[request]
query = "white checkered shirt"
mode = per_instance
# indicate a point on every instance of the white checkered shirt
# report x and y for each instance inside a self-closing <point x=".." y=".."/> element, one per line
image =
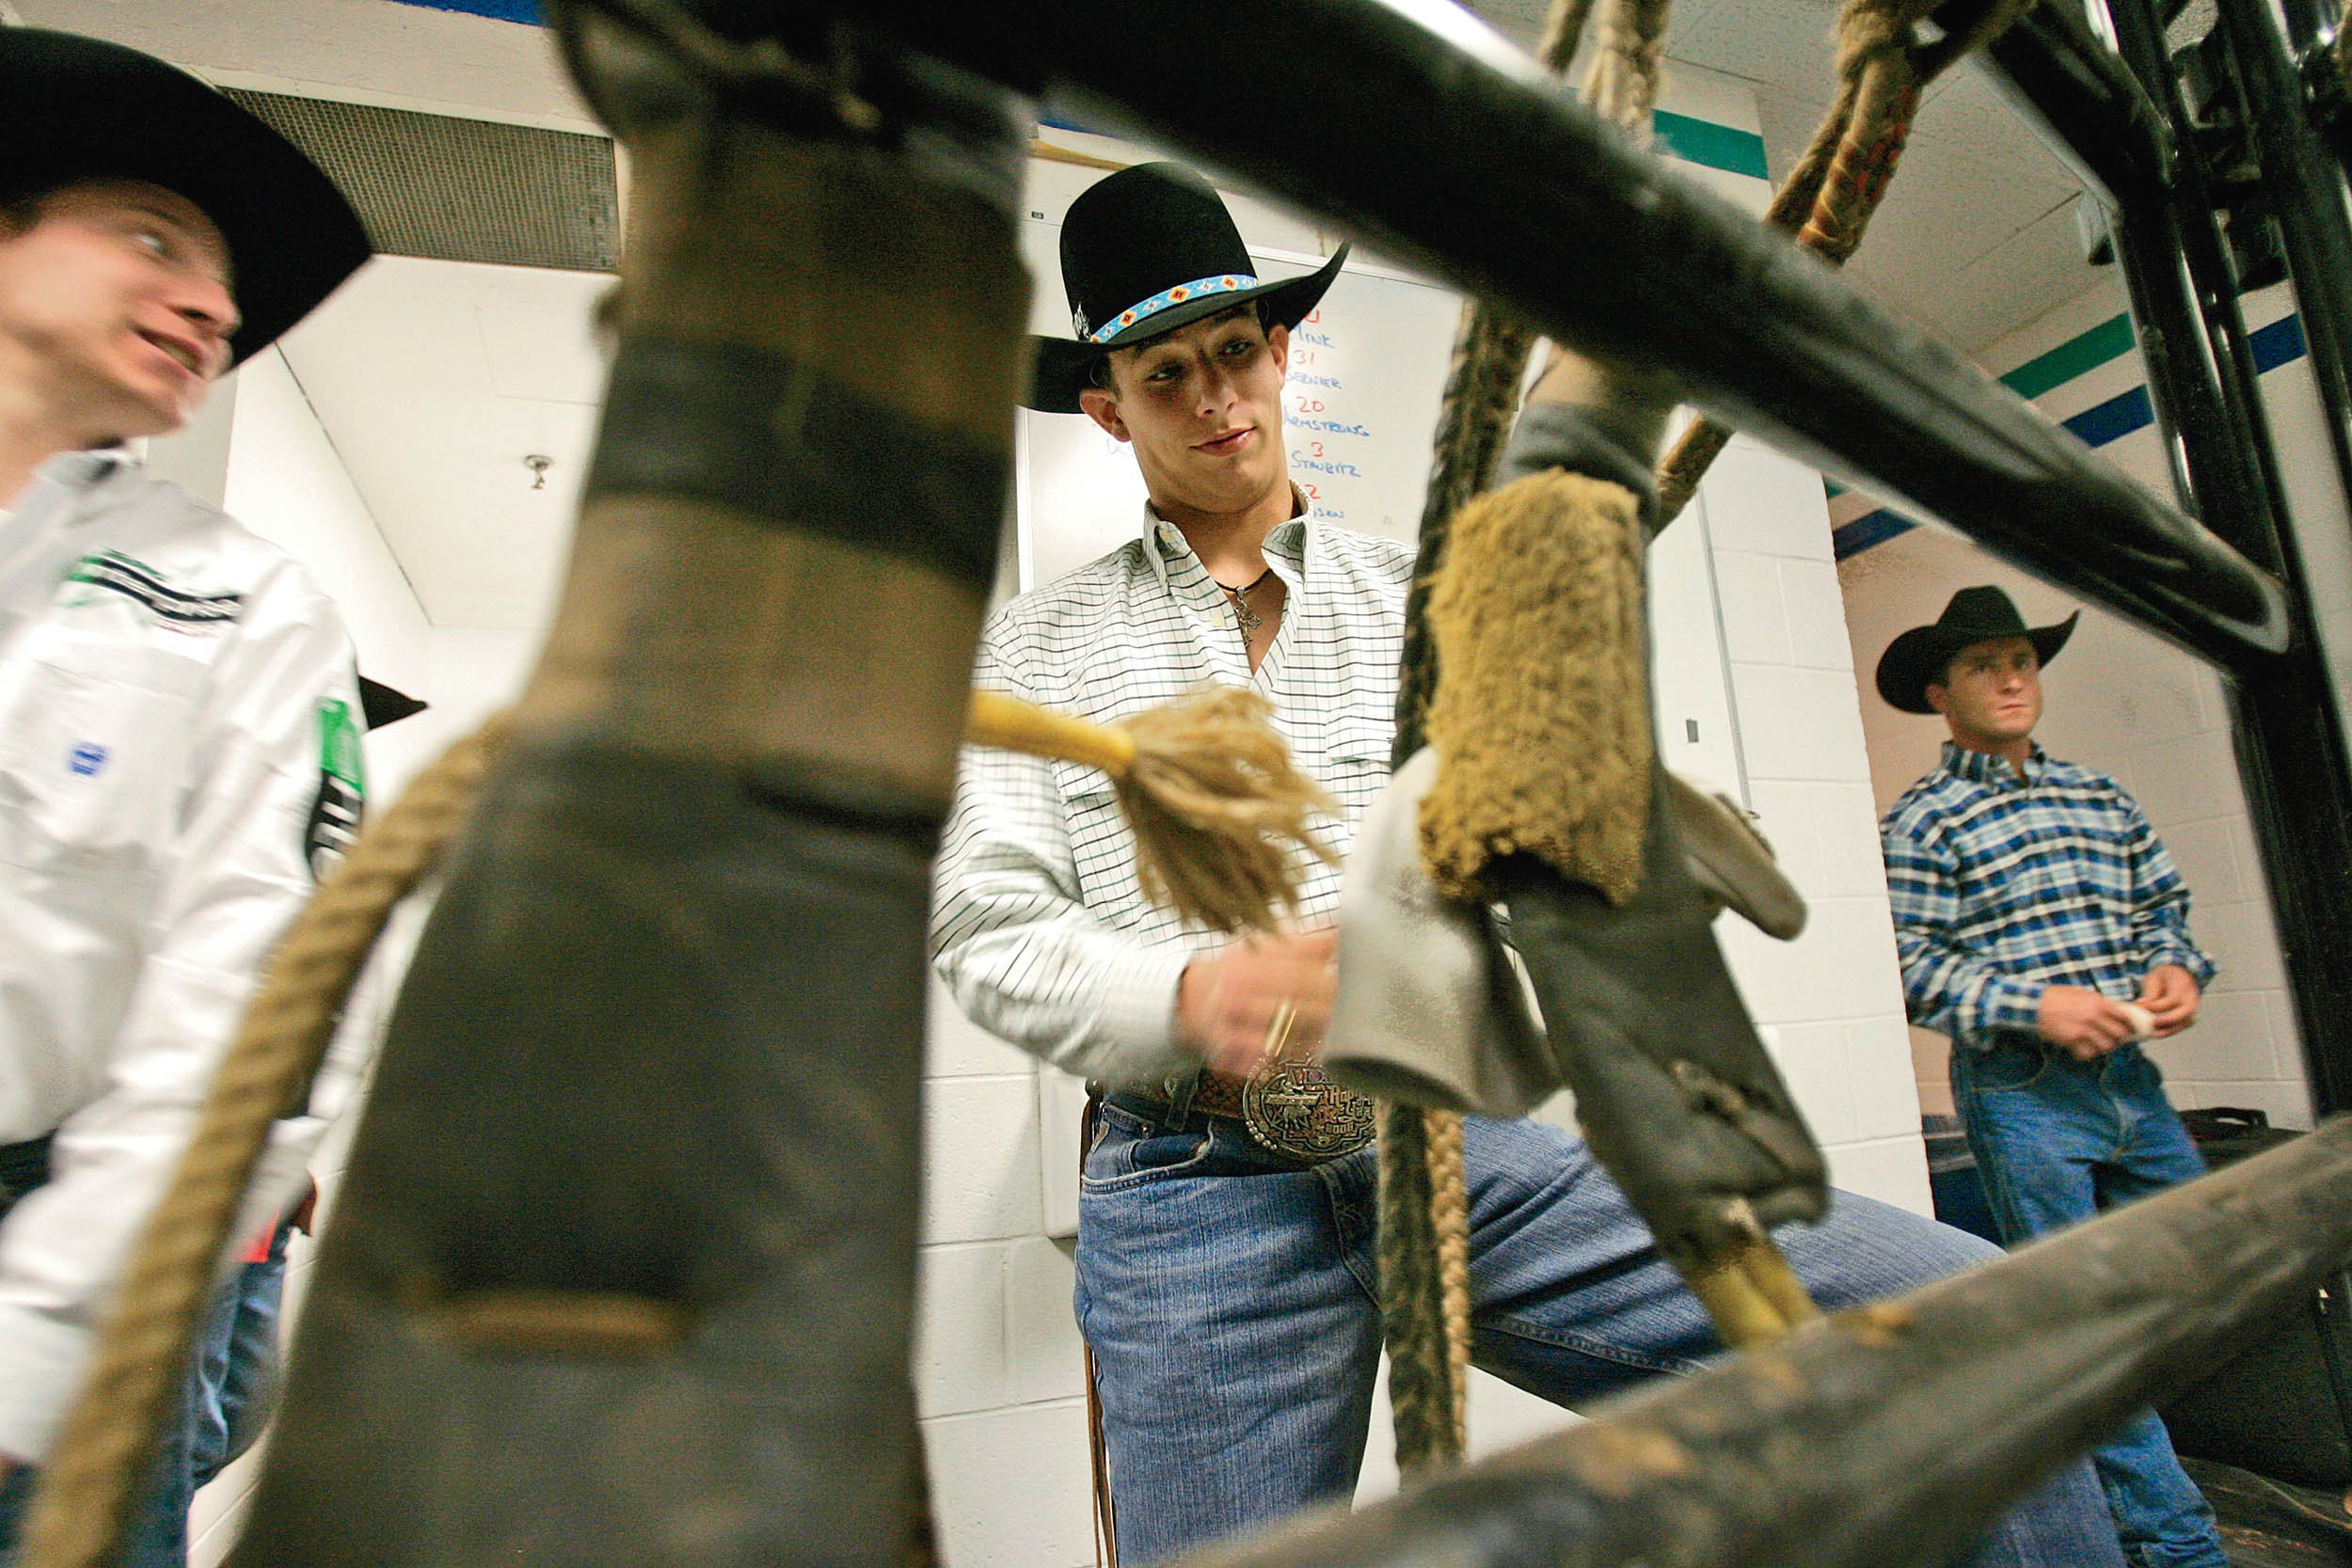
<point x="1038" y="925"/>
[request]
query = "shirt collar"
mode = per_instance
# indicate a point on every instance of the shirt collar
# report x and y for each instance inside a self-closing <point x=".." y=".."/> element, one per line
<point x="1987" y="767"/>
<point x="62" y="486"/>
<point x="1286" y="547"/>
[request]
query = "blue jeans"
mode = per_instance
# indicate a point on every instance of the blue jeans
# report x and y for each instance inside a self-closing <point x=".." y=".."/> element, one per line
<point x="1231" y="1302"/>
<point x="2056" y="1141"/>
<point x="226" y="1402"/>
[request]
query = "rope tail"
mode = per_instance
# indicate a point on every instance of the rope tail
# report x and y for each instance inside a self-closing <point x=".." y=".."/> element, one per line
<point x="110" y="1437"/>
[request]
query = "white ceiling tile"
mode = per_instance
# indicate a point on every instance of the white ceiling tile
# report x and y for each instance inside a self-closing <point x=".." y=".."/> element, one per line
<point x="1782" y="44"/>
<point x="1943" y="213"/>
<point x="434" y="409"/>
<point x="549" y="355"/>
<point x="2026" y="274"/>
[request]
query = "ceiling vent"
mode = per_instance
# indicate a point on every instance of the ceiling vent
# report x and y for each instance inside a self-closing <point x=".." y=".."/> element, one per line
<point x="460" y="190"/>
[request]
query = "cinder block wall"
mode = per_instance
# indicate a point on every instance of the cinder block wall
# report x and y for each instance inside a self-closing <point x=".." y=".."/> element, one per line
<point x="1832" y="999"/>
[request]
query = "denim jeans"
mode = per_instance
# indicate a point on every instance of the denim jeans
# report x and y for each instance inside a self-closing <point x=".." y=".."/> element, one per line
<point x="2056" y="1141"/>
<point x="1230" y="1301"/>
<point x="227" y="1399"/>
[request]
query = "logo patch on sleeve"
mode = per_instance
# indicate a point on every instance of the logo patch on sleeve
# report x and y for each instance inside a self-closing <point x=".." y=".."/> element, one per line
<point x="112" y="572"/>
<point x="334" y="824"/>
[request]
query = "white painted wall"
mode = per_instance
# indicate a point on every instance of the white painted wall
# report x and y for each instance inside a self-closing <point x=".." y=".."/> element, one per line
<point x="1833" y="1000"/>
<point x="2131" y="706"/>
<point x="286" y="482"/>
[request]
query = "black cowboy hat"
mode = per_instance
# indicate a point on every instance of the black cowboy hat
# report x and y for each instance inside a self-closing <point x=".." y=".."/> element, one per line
<point x="382" y="705"/>
<point x="1919" y="657"/>
<point x="1146" y="251"/>
<point x="87" y="110"/>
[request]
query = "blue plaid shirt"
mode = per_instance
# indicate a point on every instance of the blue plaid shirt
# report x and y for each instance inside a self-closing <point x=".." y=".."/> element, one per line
<point x="2003" y="884"/>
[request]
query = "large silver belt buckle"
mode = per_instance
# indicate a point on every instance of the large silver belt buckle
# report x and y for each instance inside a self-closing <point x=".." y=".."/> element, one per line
<point x="1295" y="1110"/>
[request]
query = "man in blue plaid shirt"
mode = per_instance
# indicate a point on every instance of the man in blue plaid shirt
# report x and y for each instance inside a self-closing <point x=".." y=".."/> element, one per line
<point x="2042" y="926"/>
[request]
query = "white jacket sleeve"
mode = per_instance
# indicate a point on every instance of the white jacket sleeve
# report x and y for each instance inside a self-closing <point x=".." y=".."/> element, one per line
<point x="1015" y="940"/>
<point x="275" y="778"/>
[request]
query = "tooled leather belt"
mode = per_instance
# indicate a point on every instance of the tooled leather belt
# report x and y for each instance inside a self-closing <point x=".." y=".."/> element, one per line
<point x="1290" y="1108"/>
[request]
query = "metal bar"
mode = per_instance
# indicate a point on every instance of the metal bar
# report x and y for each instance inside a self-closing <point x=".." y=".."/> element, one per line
<point x="1889" y="1436"/>
<point x="2292" y="730"/>
<point x="2310" y="23"/>
<point x="2094" y="112"/>
<point x="2202" y="377"/>
<point x="2099" y="118"/>
<point x="1490" y="177"/>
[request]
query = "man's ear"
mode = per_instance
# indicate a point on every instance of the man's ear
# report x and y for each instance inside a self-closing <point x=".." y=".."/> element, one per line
<point x="1938" y="697"/>
<point x="1277" y="343"/>
<point x="1103" y="408"/>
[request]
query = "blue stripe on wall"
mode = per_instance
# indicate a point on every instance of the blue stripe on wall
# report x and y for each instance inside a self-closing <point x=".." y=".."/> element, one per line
<point x="2270" y="347"/>
<point x="503" y="11"/>
<point x="2277" y="343"/>
<point x="2115" y="419"/>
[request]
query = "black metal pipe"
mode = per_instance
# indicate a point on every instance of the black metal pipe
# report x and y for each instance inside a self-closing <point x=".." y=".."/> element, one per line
<point x="1888" y="1436"/>
<point x="2291" y="731"/>
<point x="1491" y="177"/>
<point x="2201" y="375"/>
<point x="2308" y="199"/>
<point x="2098" y="118"/>
<point x="2308" y="23"/>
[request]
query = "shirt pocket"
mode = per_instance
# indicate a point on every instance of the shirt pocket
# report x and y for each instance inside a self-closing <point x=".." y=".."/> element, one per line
<point x="1356" y="759"/>
<point x="94" y="755"/>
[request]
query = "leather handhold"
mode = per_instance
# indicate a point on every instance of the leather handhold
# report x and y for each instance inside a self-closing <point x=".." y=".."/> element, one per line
<point x="1429" y="1010"/>
<point x="1731" y="862"/>
<point x="1674" y="1090"/>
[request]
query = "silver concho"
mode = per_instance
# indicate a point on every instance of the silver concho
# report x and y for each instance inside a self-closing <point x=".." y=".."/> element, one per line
<point x="1296" y="1111"/>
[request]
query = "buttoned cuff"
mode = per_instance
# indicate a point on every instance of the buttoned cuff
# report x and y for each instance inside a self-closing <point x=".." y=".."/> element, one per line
<point x="1138" y="1018"/>
<point x="2010" y="1005"/>
<point x="2199" y="966"/>
<point x="39" y="1365"/>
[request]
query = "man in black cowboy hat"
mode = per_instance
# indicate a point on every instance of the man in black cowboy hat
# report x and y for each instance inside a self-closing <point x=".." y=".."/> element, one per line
<point x="2041" y="927"/>
<point x="1225" y="1266"/>
<point x="179" y="721"/>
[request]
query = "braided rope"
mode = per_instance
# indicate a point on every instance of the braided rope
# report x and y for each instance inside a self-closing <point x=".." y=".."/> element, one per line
<point x="111" y="1434"/>
<point x="1449" y="1215"/>
<point x="1828" y="199"/>
<point x="1481" y="395"/>
<point x="1421" y="1402"/>
<point x="1423" y="1204"/>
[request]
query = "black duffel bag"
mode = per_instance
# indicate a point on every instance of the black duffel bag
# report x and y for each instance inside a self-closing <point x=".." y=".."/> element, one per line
<point x="2282" y="1409"/>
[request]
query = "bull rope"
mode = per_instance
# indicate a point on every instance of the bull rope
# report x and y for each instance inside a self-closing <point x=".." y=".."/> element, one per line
<point x="1423" y="1200"/>
<point x="1204" y="781"/>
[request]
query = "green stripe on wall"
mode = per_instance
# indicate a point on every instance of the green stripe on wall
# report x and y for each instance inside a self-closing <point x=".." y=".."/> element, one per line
<point x="1703" y="142"/>
<point x="2110" y="340"/>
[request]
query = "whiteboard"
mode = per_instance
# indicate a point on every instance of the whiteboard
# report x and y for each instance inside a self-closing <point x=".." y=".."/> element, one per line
<point x="1360" y="410"/>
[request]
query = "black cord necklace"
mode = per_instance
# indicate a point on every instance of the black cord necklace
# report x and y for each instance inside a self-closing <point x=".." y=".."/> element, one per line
<point x="1243" y="613"/>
